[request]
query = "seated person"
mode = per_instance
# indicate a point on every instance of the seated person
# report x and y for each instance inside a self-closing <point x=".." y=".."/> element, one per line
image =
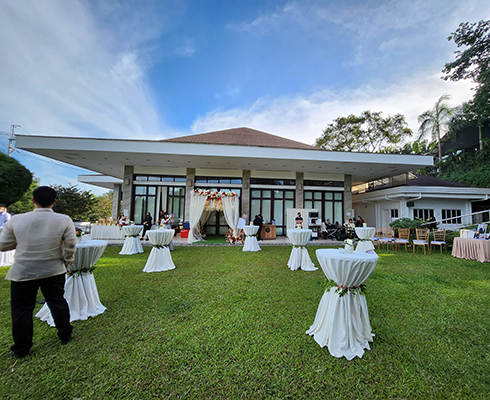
<point x="122" y="220"/>
<point x="349" y="228"/>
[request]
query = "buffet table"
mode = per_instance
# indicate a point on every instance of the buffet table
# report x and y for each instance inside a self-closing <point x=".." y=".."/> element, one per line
<point x="300" y="258"/>
<point x="471" y="249"/>
<point x="6" y="257"/>
<point x="251" y="243"/>
<point x="342" y="320"/>
<point x="80" y="289"/>
<point x="132" y="244"/>
<point x="106" y="232"/>
<point x="365" y="236"/>
<point x="160" y="258"/>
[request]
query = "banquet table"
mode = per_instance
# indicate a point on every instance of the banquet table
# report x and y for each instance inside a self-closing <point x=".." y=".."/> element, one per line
<point x="342" y="322"/>
<point x="471" y="249"/>
<point x="6" y="257"/>
<point x="80" y="290"/>
<point x="300" y="258"/>
<point x="251" y="243"/>
<point x="132" y="244"/>
<point x="160" y="258"/>
<point x="365" y="236"/>
<point x="106" y="232"/>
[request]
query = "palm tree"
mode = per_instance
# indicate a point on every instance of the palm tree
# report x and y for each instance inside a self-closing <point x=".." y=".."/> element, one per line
<point x="435" y="121"/>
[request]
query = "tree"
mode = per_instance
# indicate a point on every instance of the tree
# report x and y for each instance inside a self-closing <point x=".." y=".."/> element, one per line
<point x="369" y="132"/>
<point x="74" y="202"/>
<point x="15" y="179"/>
<point x="103" y="206"/>
<point x="25" y="203"/>
<point x="473" y="63"/>
<point x="435" y="121"/>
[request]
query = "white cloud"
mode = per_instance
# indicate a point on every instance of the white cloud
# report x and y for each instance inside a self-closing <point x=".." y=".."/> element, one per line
<point x="303" y="118"/>
<point x="63" y="73"/>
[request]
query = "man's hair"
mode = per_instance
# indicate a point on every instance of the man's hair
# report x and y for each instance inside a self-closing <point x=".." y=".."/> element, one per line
<point x="3" y="205"/>
<point x="44" y="196"/>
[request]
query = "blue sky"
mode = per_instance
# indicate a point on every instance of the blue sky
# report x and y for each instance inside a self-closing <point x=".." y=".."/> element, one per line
<point x="161" y="69"/>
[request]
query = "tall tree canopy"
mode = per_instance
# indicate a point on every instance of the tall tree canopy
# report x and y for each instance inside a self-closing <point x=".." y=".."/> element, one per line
<point x="24" y="204"/>
<point x="369" y="132"/>
<point x="15" y="179"/>
<point x="434" y="122"/>
<point x="74" y="202"/>
<point x="473" y="63"/>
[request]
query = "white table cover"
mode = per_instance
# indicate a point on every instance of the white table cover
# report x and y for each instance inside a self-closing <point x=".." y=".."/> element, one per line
<point x="365" y="236"/>
<point x="80" y="290"/>
<point x="342" y="323"/>
<point x="160" y="258"/>
<point x="105" y="232"/>
<point x="6" y="257"/>
<point x="251" y="243"/>
<point x="132" y="244"/>
<point x="300" y="258"/>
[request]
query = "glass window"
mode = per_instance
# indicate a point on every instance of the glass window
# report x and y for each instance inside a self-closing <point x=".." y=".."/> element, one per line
<point x="179" y="179"/>
<point x="167" y="179"/>
<point x="140" y="189"/>
<point x="328" y="196"/>
<point x="451" y="216"/>
<point x="337" y="196"/>
<point x="141" y="178"/>
<point x="423" y="213"/>
<point x="256" y="193"/>
<point x="338" y="212"/>
<point x="317" y="195"/>
<point x="289" y="194"/>
<point x="236" y="181"/>
<point x="152" y="190"/>
<point x="308" y="195"/>
<point x="278" y="194"/>
<point x="154" y="178"/>
<point x="328" y="211"/>
<point x="266" y="193"/>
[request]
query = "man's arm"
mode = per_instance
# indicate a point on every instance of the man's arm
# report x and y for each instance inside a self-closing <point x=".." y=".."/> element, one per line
<point x="7" y="238"/>
<point x="69" y="243"/>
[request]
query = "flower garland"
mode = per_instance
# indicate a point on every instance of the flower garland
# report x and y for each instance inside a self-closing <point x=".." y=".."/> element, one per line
<point x="299" y="246"/>
<point x="213" y="201"/>
<point x="80" y="272"/>
<point x="343" y="290"/>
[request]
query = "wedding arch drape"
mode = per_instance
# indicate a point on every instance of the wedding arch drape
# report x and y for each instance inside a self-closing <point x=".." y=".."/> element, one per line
<point x="231" y="212"/>
<point x="203" y="202"/>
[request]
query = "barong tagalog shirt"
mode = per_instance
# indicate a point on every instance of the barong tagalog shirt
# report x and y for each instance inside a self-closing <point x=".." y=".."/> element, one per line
<point x="44" y="243"/>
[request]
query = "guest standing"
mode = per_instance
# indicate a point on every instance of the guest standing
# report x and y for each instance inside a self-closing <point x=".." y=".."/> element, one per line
<point x="146" y="225"/>
<point x="4" y="215"/>
<point x="45" y="244"/>
<point x="258" y="221"/>
<point x="168" y="220"/>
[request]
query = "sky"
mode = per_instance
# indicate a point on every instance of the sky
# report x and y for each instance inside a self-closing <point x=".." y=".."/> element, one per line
<point x="162" y="69"/>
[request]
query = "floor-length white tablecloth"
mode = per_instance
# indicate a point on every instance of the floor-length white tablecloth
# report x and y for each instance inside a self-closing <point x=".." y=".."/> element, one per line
<point x="80" y="289"/>
<point x="365" y="236"/>
<point x="342" y="323"/>
<point x="132" y="244"/>
<point x="106" y="232"/>
<point x="6" y="257"/>
<point x="251" y="243"/>
<point x="300" y="258"/>
<point x="160" y="258"/>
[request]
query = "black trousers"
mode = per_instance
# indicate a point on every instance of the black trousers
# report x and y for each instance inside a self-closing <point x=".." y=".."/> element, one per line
<point x="145" y="228"/>
<point x="22" y="303"/>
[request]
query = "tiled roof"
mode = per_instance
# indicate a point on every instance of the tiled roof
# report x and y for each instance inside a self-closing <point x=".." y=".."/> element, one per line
<point x="243" y="137"/>
<point x="423" y="180"/>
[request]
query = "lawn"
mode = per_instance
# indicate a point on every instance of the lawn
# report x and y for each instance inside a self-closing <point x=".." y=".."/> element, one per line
<point x="231" y="325"/>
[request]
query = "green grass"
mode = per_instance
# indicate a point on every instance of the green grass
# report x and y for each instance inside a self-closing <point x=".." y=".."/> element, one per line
<point x="231" y="325"/>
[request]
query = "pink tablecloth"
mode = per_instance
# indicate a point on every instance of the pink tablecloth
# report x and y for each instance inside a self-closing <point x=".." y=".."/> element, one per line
<point x="472" y="249"/>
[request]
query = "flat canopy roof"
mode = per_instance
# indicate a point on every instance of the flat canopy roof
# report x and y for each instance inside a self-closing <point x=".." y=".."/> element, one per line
<point x="109" y="156"/>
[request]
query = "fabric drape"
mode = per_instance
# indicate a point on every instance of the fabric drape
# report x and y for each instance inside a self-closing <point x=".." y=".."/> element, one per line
<point x="195" y="212"/>
<point x="231" y="212"/>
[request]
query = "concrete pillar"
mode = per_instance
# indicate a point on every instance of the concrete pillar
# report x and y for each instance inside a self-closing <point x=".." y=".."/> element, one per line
<point x="127" y="191"/>
<point x="299" y="190"/>
<point x="245" y="196"/>
<point x="348" y="213"/>
<point x="189" y="187"/>
<point x="116" y="201"/>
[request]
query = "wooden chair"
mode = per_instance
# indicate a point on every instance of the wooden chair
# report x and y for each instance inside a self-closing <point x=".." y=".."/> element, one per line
<point x="403" y="238"/>
<point x="377" y="236"/>
<point x="422" y="239"/>
<point x="387" y="237"/>
<point x="439" y="239"/>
